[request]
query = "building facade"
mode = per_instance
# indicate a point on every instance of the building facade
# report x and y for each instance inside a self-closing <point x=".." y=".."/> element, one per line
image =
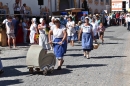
<point x="95" y="6"/>
<point x="120" y="5"/>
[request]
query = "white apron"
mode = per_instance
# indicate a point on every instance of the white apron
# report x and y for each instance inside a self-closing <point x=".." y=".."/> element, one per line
<point x="43" y="39"/>
<point x="32" y="33"/>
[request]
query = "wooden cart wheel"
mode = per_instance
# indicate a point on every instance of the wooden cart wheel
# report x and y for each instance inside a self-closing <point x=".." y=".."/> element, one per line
<point x="45" y="72"/>
<point x="37" y="69"/>
<point x="52" y="70"/>
<point x="31" y="70"/>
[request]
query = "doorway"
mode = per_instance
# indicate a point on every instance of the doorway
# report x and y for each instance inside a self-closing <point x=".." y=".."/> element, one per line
<point x="64" y="4"/>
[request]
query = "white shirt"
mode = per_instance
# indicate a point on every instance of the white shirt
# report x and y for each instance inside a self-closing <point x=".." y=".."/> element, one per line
<point x="127" y="19"/>
<point x="24" y="25"/>
<point x="58" y="33"/>
<point x="17" y="7"/>
<point x="32" y="28"/>
<point x="94" y="28"/>
<point x="4" y="22"/>
<point x="43" y="30"/>
<point x="51" y="24"/>
<point x="70" y="30"/>
<point x="86" y="29"/>
<point x="9" y="28"/>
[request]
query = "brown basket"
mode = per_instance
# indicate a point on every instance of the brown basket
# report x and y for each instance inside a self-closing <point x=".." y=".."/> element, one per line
<point x="95" y="46"/>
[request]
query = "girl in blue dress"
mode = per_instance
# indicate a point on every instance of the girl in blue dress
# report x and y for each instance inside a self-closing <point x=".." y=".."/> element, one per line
<point x="87" y="38"/>
<point x="59" y="44"/>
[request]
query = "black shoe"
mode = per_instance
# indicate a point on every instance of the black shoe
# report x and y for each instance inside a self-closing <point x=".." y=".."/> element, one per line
<point x="1" y="72"/>
<point x="59" y="68"/>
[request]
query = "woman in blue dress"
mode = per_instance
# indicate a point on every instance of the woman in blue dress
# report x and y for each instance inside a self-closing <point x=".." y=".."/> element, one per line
<point x="87" y="38"/>
<point x="59" y="44"/>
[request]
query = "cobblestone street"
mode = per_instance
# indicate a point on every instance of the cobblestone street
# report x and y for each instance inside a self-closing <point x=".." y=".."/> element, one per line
<point x="108" y="66"/>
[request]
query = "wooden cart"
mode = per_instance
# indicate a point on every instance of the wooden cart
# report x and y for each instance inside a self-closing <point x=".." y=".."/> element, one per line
<point x="3" y="37"/>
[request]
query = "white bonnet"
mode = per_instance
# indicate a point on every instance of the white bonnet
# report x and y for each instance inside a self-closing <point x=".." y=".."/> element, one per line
<point x="57" y="19"/>
<point x="34" y="19"/>
<point x="86" y="17"/>
<point x="52" y="18"/>
<point x="41" y="19"/>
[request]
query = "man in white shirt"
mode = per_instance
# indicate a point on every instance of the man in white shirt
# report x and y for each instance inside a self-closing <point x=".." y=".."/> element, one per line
<point x="128" y="22"/>
<point x="4" y="22"/>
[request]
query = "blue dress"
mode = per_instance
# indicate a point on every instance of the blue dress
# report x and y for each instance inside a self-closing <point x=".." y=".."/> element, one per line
<point x="87" y="40"/>
<point x="59" y="50"/>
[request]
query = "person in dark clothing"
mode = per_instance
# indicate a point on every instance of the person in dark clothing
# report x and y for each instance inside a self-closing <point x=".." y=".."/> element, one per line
<point x="15" y="21"/>
<point x="84" y="5"/>
<point x="16" y="8"/>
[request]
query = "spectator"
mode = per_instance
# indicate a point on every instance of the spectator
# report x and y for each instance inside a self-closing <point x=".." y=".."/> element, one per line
<point x="10" y="32"/>
<point x="117" y="18"/>
<point x="25" y="30"/>
<point x="83" y="18"/>
<point x="16" y="8"/>
<point x="15" y="22"/>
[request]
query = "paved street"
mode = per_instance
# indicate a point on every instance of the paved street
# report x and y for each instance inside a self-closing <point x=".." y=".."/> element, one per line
<point x="108" y="66"/>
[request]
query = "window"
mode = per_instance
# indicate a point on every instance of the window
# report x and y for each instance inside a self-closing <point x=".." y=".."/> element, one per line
<point x="107" y="1"/>
<point x="101" y="0"/>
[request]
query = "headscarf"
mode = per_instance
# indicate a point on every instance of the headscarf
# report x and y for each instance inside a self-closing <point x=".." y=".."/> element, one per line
<point x="34" y="20"/>
<point x="41" y="19"/>
<point x="52" y="18"/>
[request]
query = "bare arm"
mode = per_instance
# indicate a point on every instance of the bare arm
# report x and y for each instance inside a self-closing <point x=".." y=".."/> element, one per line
<point x="65" y="35"/>
<point x="40" y="28"/>
<point x="49" y="35"/>
<point x="80" y="31"/>
<point x="36" y="30"/>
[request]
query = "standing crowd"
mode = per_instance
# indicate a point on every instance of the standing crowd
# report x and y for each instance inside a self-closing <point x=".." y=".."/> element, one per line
<point x="56" y="34"/>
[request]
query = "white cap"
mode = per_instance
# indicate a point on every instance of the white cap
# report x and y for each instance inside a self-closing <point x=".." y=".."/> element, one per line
<point x="41" y="19"/>
<point x="52" y="18"/>
<point x="34" y="19"/>
<point x="57" y="19"/>
<point x="86" y="17"/>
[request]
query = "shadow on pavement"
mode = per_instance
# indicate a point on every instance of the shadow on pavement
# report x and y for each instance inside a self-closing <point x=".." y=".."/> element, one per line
<point x="74" y="49"/>
<point x="74" y="55"/>
<point x="108" y="37"/>
<point x="10" y="82"/>
<point x="109" y="31"/>
<point x="61" y="72"/>
<point x="85" y="65"/>
<point x="27" y="44"/>
<point x="116" y="39"/>
<point x="113" y="43"/>
<point x="78" y="45"/>
<point x="11" y="71"/>
<point x="11" y="58"/>
<point x="105" y="57"/>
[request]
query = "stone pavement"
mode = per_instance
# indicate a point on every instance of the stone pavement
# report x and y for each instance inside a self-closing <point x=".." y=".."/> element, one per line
<point x="108" y="66"/>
